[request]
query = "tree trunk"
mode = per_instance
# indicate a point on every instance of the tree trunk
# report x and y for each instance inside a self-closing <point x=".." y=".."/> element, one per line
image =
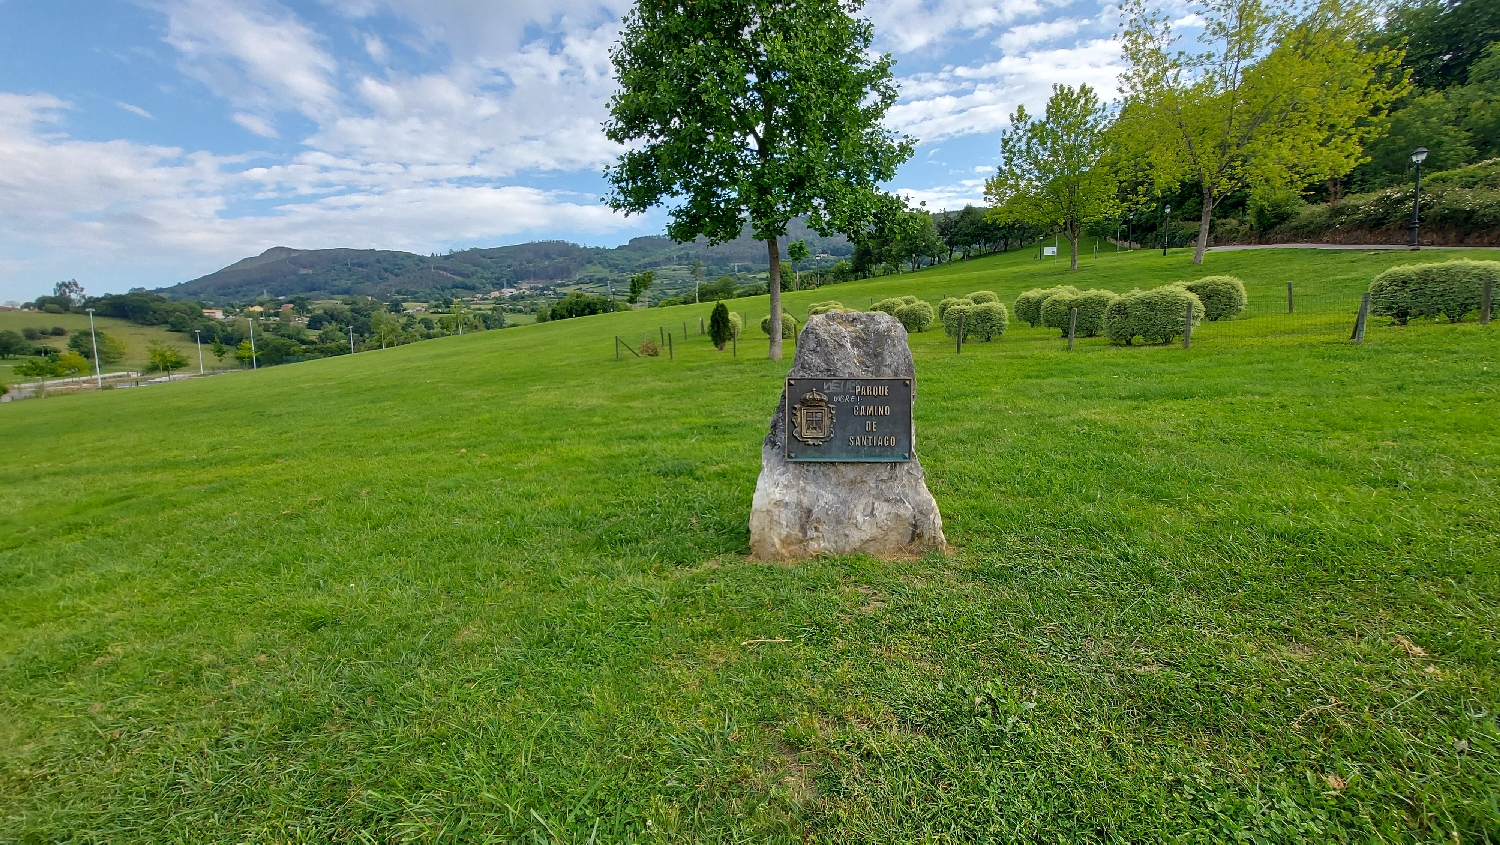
<point x="1073" y="242"/>
<point x="775" y="291"/>
<point x="1208" y="216"/>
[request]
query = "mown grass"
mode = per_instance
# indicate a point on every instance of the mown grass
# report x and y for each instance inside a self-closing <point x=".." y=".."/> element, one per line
<point x="493" y="588"/>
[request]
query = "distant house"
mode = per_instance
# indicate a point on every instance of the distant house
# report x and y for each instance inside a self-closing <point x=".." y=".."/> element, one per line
<point x="215" y="313"/>
<point x="509" y="292"/>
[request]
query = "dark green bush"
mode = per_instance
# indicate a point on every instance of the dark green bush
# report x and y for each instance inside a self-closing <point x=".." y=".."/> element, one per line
<point x="1223" y="297"/>
<point x="720" y="330"/>
<point x="915" y="316"/>
<point x="1029" y="304"/>
<point x="1057" y="311"/>
<point x="1156" y="316"/>
<point x="1450" y="289"/>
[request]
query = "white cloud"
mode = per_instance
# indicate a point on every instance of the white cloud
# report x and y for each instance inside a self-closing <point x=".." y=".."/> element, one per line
<point x="972" y="100"/>
<point x="909" y="25"/>
<point x="376" y="48"/>
<point x="259" y="57"/>
<point x="1018" y="38"/>
<point x="255" y="125"/>
<point x="947" y="197"/>
<point x="136" y="110"/>
<point x="117" y="213"/>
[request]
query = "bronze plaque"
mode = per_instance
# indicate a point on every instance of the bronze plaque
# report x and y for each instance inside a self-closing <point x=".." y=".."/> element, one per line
<point x="848" y="419"/>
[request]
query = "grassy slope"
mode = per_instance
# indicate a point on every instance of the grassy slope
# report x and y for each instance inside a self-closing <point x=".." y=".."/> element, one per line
<point x="135" y="337"/>
<point x="494" y="585"/>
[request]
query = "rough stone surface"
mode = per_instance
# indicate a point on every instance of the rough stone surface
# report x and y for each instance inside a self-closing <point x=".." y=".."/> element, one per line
<point x="802" y="510"/>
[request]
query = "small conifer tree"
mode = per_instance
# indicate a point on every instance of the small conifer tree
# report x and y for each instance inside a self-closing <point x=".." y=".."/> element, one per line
<point x="719" y="329"/>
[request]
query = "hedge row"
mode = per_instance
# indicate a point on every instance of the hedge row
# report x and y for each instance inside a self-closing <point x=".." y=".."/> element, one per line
<point x="1450" y="289"/>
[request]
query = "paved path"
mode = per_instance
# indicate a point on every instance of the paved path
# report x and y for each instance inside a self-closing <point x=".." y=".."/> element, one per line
<point x="1235" y="247"/>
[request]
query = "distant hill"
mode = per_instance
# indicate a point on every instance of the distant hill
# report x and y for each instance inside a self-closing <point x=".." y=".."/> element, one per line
<point x="283" y="271"/>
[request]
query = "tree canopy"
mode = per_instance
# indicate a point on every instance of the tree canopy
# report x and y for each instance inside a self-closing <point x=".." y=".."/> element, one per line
<point x="1280" y="95"/>
<point x="752" y="111"/>
<point x="1052" y="172"/>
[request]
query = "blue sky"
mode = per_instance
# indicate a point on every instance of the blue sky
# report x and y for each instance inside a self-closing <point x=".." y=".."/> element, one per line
<point x="144" y="144"/>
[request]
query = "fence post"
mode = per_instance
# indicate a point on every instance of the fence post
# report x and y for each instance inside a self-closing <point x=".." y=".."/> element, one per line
<point x="1072" y="328"/>
<point x="663" y="332"/>
<point x="684" y="330"/>
<point x="1484" y="303"/>
<point x="1187" y="328"/>
<point x="700" y="325"/>
<point x="1288" y="297"/>
<point x="734" y="349"/>
<point x="1359" y="321"/>
<point x="959" y="342"/>
<point x="671" y="356"/>
<point x="617" y="347"/>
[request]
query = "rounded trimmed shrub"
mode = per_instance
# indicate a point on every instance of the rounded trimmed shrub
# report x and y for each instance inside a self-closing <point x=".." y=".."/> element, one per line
<point x="980" y="297"/>
<point x="1223" y="297"/>
<point x="1029" y="304"/>
<point x="736" y="323"/>
<point x="887" y="306"/>
<point x="958" y="313"/>
<point x="1450" y="289"/>
<point x="950" y="301"/>
<point x="825" y="307"/>
<point x="1155" y="316"/>
<point x="1057" y="311"/>
<point x="915" y="316"/>
<point x="788" y="325"/>
<point x="985" y="321"/>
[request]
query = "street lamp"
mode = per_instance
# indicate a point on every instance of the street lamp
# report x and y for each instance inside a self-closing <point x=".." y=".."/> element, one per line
<point x="1166" y="218"/>
<point x="98" y="378"/>
<point x="199" y="334"/>
<point x="1417" y="157"/>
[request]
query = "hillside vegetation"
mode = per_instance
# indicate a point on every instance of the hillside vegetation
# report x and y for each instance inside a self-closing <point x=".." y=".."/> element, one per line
<point x="493" y="587"/>
<point x="285" y="272"/>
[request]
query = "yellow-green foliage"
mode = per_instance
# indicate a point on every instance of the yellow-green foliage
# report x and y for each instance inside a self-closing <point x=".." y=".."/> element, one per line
<point x="1057" y="311"/>
<point x="890" y="304"/>
<point x="736" y="323"/>
<point x="984" y="321"/>
<point x="948" y="302"/>
<point x="788" y="325"/>
<point x="1156" y="316"/>
<point x="825" y="307"/>
<point x="1451" y="289"/>
<point x="980" y="297"/>
<point x="1223" y="297"/>
<point x="915" y="316"/>
<point x="1029" y="304"/>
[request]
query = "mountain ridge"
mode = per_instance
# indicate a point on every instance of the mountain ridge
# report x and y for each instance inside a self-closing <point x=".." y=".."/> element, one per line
<point x="283" y="271"/>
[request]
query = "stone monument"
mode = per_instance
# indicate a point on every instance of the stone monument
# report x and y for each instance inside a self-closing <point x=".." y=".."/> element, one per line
<point x="848" y="480"/>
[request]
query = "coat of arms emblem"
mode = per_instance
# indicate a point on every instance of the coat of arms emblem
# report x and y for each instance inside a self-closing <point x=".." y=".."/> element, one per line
<point x="812" y="419"/>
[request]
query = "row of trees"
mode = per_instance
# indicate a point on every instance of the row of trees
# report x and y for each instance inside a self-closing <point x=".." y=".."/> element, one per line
<point x="1276" y="98"/>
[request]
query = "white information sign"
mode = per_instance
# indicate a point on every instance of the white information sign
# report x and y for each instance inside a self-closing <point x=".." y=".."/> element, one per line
<point x="1049" y="250"/>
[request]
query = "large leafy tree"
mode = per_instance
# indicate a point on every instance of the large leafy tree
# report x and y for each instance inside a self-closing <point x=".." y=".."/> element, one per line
<point x="752" y="111"/>
<point x="1281" y="95"/>
<point x="1052" y="173"/>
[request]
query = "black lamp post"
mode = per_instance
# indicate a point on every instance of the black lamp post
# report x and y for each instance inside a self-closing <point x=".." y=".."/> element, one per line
<point x="1417" y="157"/>
<point x="1166" y="218"/>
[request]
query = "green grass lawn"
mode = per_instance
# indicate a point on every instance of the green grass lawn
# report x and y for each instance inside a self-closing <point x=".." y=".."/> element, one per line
<point x="135" y="338"/>
<point x="493" y="587"/>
